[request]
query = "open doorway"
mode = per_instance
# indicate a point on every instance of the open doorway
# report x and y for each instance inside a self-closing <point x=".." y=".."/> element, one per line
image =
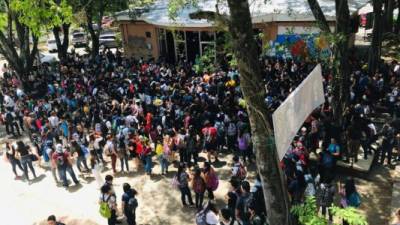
<point x="192" y="44"/>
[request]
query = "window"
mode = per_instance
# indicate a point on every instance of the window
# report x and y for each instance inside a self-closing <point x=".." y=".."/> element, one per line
<point x="207" y="36"/>
<point x="148" y="34"/>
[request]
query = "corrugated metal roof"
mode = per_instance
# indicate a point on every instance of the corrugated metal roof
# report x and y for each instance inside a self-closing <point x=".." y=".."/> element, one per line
<point x="261" y="10"/>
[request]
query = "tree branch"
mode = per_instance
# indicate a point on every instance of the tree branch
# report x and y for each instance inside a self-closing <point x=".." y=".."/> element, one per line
<point x="210" y="16"/>
<point x="319" y="16"/>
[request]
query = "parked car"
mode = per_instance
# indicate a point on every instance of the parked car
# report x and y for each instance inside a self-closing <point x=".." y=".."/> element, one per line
<point x="48" y="58"/>
<point x="79" y="39"/>
<point x="108" y="40"/>
<point x="52" y="45"/>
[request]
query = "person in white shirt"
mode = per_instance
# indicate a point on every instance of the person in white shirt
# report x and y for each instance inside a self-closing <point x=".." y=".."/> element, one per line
<point x="212" y="217"/>
<point x="54" y="120"/>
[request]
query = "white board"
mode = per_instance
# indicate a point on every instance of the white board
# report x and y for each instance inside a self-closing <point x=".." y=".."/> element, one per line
<point x="291" y="114"/>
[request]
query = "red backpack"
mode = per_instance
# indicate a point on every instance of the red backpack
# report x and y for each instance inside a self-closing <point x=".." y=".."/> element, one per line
<point x="241" y="172"/>
<point x="213" y="181"/>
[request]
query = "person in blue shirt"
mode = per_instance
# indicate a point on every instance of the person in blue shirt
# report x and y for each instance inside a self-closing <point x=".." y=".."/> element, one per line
<point x="334" y="148"/>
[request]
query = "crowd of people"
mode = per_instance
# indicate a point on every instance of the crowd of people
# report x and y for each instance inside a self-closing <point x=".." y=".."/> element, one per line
<point x="116" y="109"/>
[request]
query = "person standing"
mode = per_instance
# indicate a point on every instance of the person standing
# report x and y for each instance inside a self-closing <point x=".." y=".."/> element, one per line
<point x="26" y="159"/>
<point x="11" y="157"/>
<point x="122" y="153"/>
<point x="110" y="151"/>
<point x="199" y="187"/>
<point x="183" y="179"/>
<point x="349" y="196"/>
<point x="353" y="143"/>
<point x="63" y="162"/>
<point x="210" y="141"/>
<point x="81" y="158"/>
<point x="211" y="179"/>
<point x="129" y="204"/>
<point x="324" y="195"/>
<point x="242" y="205"/>
<point x="387" y="143"/>
<point x="108" y="197"/>
<point x="146" y="154"/>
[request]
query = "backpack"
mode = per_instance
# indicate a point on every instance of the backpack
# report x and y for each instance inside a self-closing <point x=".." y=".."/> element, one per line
<point x="241" y="172"/>
<point x="220" y="129"/>
<point x="181" y="141"/>
<point x="243" y="145"/>
<point x="231" y="129"/>
<point x="327" y="160"/>
<point x="247" y="203"/>
<point x="213" y="181"/>
<point x="354" y="200"/>
<point x="132" y="204"/>
<point x="104" y="209"/>
<point x="60" y="159"/>
<point x="175" y="182"/>
<point x="201" y="217"/>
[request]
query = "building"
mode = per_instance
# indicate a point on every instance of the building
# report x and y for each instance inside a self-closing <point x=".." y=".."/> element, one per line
<point x="150" y="32"/>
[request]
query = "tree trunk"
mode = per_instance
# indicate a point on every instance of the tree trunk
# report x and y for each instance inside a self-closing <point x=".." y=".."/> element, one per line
<point x="319" y="16"/>
<point x="274" y="187"/>
<point x="397" y="26"/>
<point x="375" y="48"/>
<point x="341" y="65"/>
<point x="95" y="34"/>
<point x="62" y="46"/>
<point x="389" y="7"/>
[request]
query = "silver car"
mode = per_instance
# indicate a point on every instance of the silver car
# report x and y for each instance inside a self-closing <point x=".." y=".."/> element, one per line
<point x="79" y="39"/>
<point x="108" y="40"/>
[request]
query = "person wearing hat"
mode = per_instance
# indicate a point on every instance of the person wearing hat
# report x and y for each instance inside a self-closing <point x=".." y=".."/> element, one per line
<point x="63" y="162"/>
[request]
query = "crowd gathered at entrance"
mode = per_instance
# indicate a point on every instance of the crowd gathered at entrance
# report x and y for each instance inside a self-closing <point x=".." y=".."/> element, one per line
<point x="114" y="112"/>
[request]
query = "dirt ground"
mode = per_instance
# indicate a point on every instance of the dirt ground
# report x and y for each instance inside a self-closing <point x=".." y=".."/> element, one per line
<point x="158" y="202"/>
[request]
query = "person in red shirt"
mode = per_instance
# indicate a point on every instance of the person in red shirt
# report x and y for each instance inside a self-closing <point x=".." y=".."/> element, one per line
<point x="210" y="140"/>
<point x="62" y="160"/>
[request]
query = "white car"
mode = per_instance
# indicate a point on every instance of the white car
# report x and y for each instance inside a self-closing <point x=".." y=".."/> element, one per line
<point x="52" y="45"/>
<point x="108" y="40"/>
<point x="48" y="58"/>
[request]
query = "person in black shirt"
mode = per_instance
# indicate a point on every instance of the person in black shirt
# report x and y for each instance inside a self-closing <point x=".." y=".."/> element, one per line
<point x="26" y="160"/>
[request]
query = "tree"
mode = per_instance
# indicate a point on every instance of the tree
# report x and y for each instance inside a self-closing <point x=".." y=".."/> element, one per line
<point x="375" y="48"/>
<point x="245" y="50"/>
<point x="20" y="59"/>
<point x="95" y="10"/>
<point x="39" y="15"/>
<point x="308" y="214"/>
<point x="341" y="66"/>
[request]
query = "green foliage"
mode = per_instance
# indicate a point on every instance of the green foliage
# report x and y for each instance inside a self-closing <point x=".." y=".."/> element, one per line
<point x="174" y="6"/>
<point x="3" y="21"/>
<point x="350" y="214"/>
<point x="42" y="14"/>
<point x="307" y="214"/>
<point x="205" y="63"/>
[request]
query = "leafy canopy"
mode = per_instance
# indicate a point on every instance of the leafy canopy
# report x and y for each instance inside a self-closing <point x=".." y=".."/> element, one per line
<point x="308" y="214"/>
<point x="42" y="14"/>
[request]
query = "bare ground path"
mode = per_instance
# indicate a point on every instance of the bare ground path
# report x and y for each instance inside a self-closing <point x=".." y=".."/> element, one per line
<point x="25" y="204"/>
